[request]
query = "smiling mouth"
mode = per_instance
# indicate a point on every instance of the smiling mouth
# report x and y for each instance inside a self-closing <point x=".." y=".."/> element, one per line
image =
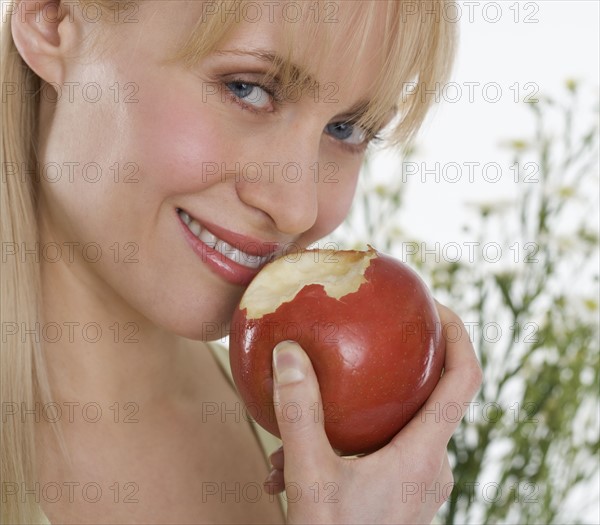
<point x="212" y="241"/>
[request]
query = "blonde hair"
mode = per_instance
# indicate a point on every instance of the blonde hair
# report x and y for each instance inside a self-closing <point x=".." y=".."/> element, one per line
<point x="419" y="45"/>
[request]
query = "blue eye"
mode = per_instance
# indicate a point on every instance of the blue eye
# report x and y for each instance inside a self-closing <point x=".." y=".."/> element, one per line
<point x="346" y="132"/>
<point x="250" y="94"/>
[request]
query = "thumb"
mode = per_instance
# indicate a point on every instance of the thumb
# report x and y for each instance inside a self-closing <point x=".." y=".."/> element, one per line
<point x="298" y="407"/>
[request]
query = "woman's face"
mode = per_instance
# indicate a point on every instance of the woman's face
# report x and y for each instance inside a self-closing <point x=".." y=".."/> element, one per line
<point x="143" y="147"/>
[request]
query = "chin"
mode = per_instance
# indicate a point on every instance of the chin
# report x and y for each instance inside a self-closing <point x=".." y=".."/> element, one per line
<point x="206" y="323"/>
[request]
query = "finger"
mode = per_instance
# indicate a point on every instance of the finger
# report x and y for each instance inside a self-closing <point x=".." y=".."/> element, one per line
<point x="438" y="418"/>
<point x="298" y="408"/>
<point x="276" y="458"/>
<point x="275" y="483"/>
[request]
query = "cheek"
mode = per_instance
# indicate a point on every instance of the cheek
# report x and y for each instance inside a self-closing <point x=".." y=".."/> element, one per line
<point x="335" y="198"/>
<point x="178" y="144"/>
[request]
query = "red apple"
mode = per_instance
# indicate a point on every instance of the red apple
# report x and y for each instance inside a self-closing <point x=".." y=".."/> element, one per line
<point x="370" y="328"/>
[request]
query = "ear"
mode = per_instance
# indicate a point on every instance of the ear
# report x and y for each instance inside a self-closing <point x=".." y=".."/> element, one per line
<point x="43" y="30"/>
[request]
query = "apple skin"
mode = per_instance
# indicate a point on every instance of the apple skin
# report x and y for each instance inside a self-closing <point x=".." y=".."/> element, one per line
<point x="378" y="353"/>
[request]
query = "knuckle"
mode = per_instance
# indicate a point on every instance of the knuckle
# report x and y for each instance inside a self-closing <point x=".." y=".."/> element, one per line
<point x="459" y="332"/>
<point x="473" y="376"/>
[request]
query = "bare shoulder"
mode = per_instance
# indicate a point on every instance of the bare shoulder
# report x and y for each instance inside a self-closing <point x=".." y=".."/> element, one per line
<point x="188" y="460"/>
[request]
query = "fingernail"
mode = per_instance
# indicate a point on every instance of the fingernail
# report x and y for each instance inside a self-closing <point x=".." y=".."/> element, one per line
<point x="271" y="475"/>
<point x="288" y="363"/>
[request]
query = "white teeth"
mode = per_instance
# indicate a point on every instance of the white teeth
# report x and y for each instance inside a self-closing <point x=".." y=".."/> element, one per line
<point x="195" y="228"/>
<point x="254" y="261"/>
<point x="207" y="238"/>
<point x="232" y="253"/>
<point x="185" y="217"/>
<point x="220" y="247"/>
<point x="245" y="259"/>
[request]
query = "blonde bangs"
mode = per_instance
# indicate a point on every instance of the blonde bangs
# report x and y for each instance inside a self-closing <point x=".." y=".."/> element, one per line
<point x="419" y="53"/>
<point x="210" y="30"/>
<point x="418" y="47"/>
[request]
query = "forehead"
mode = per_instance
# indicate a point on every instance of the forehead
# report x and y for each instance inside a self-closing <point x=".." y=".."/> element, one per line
<point x="338" y="44"/>
<point x="330" y="40"/>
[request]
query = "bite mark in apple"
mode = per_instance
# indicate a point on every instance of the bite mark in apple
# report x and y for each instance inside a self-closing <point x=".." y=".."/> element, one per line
<point x="338" y="276"/>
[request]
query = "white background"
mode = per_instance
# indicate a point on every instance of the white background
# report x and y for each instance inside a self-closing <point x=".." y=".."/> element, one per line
<point x="559" y="42"/>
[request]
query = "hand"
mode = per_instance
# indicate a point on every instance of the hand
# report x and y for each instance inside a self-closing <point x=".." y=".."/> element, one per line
<point x="405" y="482"/>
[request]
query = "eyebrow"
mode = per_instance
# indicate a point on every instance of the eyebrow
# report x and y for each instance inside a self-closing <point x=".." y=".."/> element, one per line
<point x="274" y="59"/>
<point x="355" y="112"/>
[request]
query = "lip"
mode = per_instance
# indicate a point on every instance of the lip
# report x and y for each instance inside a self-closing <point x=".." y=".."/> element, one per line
<point x="246" y="244"/>
<point x="229" y="270"/>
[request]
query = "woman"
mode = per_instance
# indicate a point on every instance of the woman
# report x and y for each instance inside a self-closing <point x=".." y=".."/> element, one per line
<point x="136" y="136"/>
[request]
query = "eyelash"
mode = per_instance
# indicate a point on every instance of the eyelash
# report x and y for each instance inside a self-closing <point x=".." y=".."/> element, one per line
<point x="355" y="149"/>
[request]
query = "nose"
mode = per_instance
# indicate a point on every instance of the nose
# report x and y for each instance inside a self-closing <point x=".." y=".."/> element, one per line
<point x="284" y="186"/>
